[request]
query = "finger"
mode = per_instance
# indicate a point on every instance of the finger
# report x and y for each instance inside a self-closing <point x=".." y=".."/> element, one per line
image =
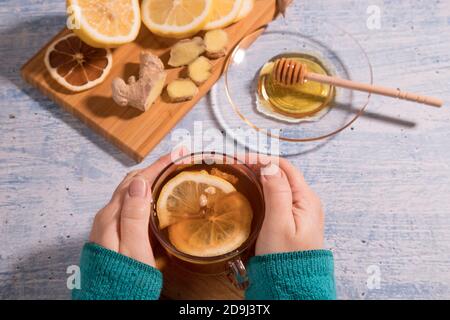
<point x="152" y="172"/>
<point x="105" y="230"/>
<point x="124" y="183"/>
<point x="115" y="203"/>
<point x="252" y="158"/>
<point x="299" y="186"/>
<point x="277" y="196"/>
<point x="134" y="222"/>
<point x="256" y="161"/>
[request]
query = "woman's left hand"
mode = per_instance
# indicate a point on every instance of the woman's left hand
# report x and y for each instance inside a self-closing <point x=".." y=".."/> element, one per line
<point x="123" y="224"/>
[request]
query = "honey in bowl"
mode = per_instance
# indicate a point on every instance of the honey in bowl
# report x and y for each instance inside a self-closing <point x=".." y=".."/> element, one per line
<point x="207" y="211"/>
<point x="294" y="103"/>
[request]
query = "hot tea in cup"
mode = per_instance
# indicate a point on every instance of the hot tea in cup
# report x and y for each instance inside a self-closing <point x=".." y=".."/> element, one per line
<point x="208" y="211"/>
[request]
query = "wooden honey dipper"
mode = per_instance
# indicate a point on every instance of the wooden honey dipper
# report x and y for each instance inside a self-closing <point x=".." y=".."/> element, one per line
<point x="290" y="72"/>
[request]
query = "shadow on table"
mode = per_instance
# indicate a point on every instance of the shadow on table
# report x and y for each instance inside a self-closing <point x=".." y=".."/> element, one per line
<point x="377" y="116"/>
<point x="18" y="44"/>
<point x="42" y="274"/>
<point x="313" y="146"/>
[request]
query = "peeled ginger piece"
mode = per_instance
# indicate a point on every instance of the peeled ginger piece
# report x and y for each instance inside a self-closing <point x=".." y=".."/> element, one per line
<point x="186" y="51"/>
<point x="200" y="70"/>
<point x="216" y="42"/>
<point x="180" y="90"/>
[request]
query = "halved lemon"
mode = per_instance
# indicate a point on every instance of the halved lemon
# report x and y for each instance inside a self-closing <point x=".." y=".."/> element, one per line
<point x="104" y="23"/>
<point x="180" y="198"/>
<point x="246" y="8"/>
<point x="75" y="65"/>
<point x="175" y="18"/>
<point x="225" y="227"/>
<point x="223" y="13"/>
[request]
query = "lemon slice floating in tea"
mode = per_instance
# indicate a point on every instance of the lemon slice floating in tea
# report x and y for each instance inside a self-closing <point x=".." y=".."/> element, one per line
<point x="180" y="196"/>
<point x="225" y="227"/>
<point x="205" y="215"/>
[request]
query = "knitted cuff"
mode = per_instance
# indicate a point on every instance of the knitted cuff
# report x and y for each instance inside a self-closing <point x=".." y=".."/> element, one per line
<point x="301" y="275"/>
<point x="108" y="275"/>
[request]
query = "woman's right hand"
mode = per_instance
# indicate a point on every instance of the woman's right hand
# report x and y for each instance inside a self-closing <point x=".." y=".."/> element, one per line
<point x="294" y="218"/>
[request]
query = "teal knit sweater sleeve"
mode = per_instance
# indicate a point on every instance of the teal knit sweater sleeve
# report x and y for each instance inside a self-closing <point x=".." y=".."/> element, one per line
<point x="301" y="275"/>
<point x="108" y="275"/>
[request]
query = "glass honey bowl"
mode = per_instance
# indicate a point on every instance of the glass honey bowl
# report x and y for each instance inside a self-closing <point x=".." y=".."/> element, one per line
<point x="237" y="99"/>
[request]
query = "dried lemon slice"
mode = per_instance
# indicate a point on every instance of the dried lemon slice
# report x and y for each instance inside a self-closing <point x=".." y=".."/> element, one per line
<point x="180" y="197"/>
<point x="178" y="19"/>
<point x="105" y="23"/>
<point x="75" y="65"/>
<point x="223" y="13"/>
<point x="225" y="226"/>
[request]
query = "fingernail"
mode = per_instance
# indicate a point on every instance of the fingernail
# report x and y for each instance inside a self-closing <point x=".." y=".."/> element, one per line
<point x="271" y="171"/>
<point x="137" y="188"/>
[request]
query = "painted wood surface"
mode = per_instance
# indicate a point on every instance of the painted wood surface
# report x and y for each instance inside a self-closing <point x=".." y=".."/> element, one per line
<point x="385" y="183"/>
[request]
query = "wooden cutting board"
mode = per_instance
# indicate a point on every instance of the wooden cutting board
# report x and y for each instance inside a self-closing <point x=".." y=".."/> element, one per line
<point x="134" y="132"/>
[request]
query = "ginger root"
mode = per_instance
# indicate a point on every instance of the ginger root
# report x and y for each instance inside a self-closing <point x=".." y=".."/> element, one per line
<point x="141" y="93"/>
<point x="186" y="51"/>
<point x="216" y="42"/>
<point x="180" y="90"/>
<point x="200" y="70"/>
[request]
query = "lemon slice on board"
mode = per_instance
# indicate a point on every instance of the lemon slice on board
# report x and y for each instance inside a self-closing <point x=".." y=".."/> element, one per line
<point x="223" y="13"/>
<point x="224" y="228"/>
<point x="180" y="198"/>
<point x="246" y="8"/>
<point x="75" y="65"/>
<point x="175" y="18"/>
<point x="104" y="23"/>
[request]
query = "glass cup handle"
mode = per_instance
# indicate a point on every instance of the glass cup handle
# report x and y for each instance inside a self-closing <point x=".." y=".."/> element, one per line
<point x="238" y="274"/>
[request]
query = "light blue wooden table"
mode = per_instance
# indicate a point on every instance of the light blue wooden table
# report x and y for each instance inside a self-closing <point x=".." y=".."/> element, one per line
<point x="385" y="183"/>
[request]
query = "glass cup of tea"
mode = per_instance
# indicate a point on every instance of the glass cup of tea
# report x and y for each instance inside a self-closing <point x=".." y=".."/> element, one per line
<point x="208" y="210"/>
